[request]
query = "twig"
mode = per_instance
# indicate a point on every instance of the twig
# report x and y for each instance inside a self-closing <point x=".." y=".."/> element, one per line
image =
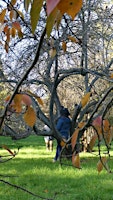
<point x="23" y="189"/>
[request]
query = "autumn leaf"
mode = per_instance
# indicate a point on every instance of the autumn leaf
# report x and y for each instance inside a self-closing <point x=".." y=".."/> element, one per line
<point x="5" y="147"/>
<point x="73" y="39"/>
<point x="52" y="52"/>
<point x="17" y="103"/>
<point x="62" y="143"/>
<point x="13" y="14"/>
<point x="85" y="99"/>
<point x="39" y="99"/>
<point x="111" y="76"/>
<point x="101" y="164"/>
<point x="30" y="117"/>
<point x="106" y="125"/>
<point x="92" y="142"/>
<point x="16" y="25"/>
<point x="26" y="4"/>
<point x="71" y="7"/>
<point x="2" y="16"/>
<point x="76" y="160"/>
<point x="26" y="99"/>
<point x="35" y="13"/>
<point x="97" y="121"/>
<point x="13" y="2"/>
<point x="74" y="138"/>
<point x="51" y="19"/>
<point x="51" y="4"/>
<point x="64" y="46"/>
<point x="13" y="32"/>
<point x="81" y="124"/>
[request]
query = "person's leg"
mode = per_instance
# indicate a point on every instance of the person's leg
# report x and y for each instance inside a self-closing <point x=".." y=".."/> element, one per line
<point x="51" y="145"/>
<point x="58" y="150"/>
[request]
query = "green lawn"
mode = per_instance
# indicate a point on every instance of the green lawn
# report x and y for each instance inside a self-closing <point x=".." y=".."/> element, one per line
<point x="33" y="170"/>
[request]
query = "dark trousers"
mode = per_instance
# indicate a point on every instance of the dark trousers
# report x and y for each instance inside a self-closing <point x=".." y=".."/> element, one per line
<point x="58" y="150"/>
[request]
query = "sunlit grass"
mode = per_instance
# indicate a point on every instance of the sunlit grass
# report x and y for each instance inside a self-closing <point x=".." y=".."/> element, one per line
<point x="33" y="169"/>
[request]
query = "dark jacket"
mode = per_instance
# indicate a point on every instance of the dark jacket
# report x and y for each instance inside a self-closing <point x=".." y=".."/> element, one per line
<point x="63" y="126"/>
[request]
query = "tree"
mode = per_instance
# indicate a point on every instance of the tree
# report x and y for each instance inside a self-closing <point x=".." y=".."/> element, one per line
<point x="56" y="52"/>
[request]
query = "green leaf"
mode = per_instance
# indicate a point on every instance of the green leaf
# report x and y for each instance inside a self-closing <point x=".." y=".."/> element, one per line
<point x="35" y="13"/>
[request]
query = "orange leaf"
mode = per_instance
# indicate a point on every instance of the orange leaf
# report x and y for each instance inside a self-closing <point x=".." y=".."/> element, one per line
<point x="18" y="103"/>
<point x="92" y="142"/>
<point x="73" y="39"/>
<point x="62" y="143"/>
<point x="30" y="117"/>
<point x="13" y="32"/>
<point x="81" y="124"/>
<point x="7" y="98"/>
<point x="16" y="25"/>
<point x="40" y="101"/>
<point x="76" y="160"/>
<point x="111" y="76"/>
<point x="13" y="2"/>
<point x="51" y="4"/>
<point x="106" y="125"/>
<point x="64" y="46"/>
<point x="26" y="99"/>
<point x="74" y="138"/>
<point x="2" y="16"/>
<point x="85" y="99"/>
<point x="71" y="7"/>
<point x="101" y="164"/>
<point x="5" y="147"/>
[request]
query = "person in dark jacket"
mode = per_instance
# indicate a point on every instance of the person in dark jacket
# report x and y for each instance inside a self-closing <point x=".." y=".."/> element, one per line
<point x="63" y="126"/>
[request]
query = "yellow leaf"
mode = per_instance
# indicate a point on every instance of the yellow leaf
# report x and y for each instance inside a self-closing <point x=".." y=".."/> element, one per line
<point x="76" y="160"/>
<point x="111" y="76"/>
<point x="20" y="34"/>
<point x="52" y="52"/>
<point x="51" y="21"/>
<point x="35" y="13"/>
<point x="2" y="16"/>
<point x="85" y="99"/>
<point x="13" y="2"/>
<point x="13" y="15"/>
<point x="64" y="46"/>
<point x="30" y="117"/>
<point x="71" y="7"/>
<point x="26" y="4"/>
<point x="101" y="164"/>
<point x="74" y="138"/>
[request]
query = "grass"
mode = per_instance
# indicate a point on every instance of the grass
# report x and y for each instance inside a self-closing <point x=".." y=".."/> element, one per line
<point x="33" y="170"/>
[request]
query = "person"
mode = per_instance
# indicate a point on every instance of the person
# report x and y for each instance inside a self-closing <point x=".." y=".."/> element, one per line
<point x="63" y="126"/>
<point x="48" y="140"/>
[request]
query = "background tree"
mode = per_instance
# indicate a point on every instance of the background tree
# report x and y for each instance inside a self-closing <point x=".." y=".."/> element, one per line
<point x="64" y="62"/>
